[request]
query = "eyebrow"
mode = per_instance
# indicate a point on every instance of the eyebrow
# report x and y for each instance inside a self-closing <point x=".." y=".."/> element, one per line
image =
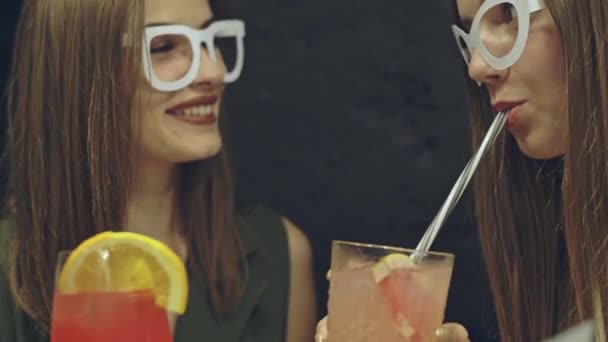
<point x="466" y="23"/>
<point x="204" y="25"/>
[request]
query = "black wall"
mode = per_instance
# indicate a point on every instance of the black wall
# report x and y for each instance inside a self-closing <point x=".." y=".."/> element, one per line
<point x="350" y="118"/>
<point x="8" y="17"/>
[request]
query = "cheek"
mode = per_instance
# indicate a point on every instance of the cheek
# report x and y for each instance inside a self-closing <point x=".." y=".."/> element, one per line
<point x="154" y="102"/>
<point x="543" y="73"/>
<point x="148" y="121"/>
<point x="548" y="82"/>
<point x="544" y="54"/>
<point x="543" y="60"/>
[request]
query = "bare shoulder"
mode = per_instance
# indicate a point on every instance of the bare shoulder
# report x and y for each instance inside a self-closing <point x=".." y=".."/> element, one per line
<point x="302" y="302"/>
<point x="299" y="245"/>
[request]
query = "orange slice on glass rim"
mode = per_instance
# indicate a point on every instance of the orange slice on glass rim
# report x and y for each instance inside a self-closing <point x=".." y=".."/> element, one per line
<point x="126" y="262"/>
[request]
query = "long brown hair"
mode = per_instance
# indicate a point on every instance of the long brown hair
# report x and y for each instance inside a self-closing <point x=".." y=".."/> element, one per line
<point x="522" y="205"/>
<point x="71" y="101"/>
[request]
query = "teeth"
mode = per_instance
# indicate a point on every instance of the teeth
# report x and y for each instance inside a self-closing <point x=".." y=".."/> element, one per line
<point x="197" y="111"/>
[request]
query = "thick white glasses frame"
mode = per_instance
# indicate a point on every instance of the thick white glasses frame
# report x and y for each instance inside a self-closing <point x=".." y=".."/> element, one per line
<point x="223" y="28"/>
<point x="473" y="39"/>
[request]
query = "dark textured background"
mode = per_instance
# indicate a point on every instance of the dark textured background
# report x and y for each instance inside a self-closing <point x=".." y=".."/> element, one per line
<point x="9" y="10"/>
<point x="350" y="119"/>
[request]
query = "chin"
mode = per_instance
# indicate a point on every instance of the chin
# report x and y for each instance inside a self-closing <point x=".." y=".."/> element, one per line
<point x="539" y="150"/>
<point x="200" y="154"/>
<point x="196" y="148"/>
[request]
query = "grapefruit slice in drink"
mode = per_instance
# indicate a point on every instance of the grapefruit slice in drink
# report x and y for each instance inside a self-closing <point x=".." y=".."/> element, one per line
<point x="403" y="287"/>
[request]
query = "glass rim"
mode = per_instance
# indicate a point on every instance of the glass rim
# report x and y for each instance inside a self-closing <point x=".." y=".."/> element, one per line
<point x="389" y="248"/>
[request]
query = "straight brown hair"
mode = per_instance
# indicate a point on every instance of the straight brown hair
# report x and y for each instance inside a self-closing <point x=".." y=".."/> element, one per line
<point x="522" y="205"/>
<point x="72" y="99"/>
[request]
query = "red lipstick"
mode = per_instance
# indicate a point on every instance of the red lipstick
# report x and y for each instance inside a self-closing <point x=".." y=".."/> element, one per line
<point x="512" y="107"/>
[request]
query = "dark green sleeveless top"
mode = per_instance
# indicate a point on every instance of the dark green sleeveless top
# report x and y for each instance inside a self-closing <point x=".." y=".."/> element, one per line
<point x="260" y="317"/>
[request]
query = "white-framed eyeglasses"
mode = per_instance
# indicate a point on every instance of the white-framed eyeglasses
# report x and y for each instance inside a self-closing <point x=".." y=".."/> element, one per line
<point x="499" y="31"/>
<point x="172" y="53"/>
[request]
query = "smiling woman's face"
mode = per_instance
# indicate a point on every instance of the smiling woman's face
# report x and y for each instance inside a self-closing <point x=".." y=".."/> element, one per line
<point x="180" y="126"/>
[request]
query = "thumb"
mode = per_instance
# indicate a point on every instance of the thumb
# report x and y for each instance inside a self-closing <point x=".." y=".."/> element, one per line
<point x="451" y="332"/>
<point x="321" y="333"/>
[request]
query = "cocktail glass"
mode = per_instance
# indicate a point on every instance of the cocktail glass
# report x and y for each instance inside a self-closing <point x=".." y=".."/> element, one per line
<point x="378" y="294"/>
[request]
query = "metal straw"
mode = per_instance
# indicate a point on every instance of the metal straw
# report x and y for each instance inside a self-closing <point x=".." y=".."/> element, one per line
<point x="459" y="187"/>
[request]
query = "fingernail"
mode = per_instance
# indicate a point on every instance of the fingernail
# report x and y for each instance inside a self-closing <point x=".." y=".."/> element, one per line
<point x="443" y="334"/>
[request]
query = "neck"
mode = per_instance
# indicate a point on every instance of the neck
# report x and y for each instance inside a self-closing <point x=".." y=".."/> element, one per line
<point x="151" y="204"/>
<point x="151" y="199"/>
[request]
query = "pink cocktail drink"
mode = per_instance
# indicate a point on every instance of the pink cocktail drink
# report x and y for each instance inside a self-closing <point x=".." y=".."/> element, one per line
<point x="109" y="317"/>
<point x="368" y="302"/>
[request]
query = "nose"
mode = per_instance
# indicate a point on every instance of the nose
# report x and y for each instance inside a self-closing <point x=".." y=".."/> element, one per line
<point x="494" y="43"/>
<point x="482" y="72"/>
<point x="210" y="71"/>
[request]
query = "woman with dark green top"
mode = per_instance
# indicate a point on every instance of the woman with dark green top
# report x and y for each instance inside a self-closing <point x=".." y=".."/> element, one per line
<point x="113" y="124"/>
